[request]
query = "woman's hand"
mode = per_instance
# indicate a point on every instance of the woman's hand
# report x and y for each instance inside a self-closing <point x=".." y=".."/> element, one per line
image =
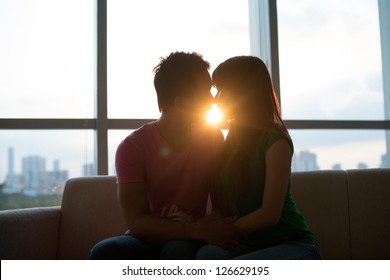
<point x="221" y="232"/>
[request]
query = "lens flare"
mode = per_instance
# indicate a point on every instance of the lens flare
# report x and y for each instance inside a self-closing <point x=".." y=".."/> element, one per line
<point x="214" y="115"/>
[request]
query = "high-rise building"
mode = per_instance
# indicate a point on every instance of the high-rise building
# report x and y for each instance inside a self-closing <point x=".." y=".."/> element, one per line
<point x="56" y="165"/>
<point x="385" y="162"/>
<point x="33" y="171"/>
<point x="10" y="161"/>
<point x="11" y="183"/>
<point x="88" y="169"/>
<point x="55" y="179"/>
<point x="305" y="161"/>
<point x="336" y="166"/>
<point x="362" y="165"/>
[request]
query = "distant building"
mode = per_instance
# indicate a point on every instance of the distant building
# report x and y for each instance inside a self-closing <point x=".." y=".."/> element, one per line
<point x="33" y="171"/>
<point x="362" y="165"/>
<point x="385" y="161"/>
<point x="305" y="161"/>
<point x="56" y="165"/>
<point x="294" y="163"/>
<point x="336" y="166"/>
<point x="88" y="169"/>
<point x="13" y="182"/>
<point x="11" y="179"/>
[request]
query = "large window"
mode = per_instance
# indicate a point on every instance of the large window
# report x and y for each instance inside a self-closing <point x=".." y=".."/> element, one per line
<point x="76" y="78"/>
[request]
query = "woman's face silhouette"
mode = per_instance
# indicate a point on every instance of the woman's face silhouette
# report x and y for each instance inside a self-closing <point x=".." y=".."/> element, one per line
<point x="226" y="104"/>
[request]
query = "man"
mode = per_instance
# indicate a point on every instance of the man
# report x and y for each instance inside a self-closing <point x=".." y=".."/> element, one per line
<point x="163" y="168"/>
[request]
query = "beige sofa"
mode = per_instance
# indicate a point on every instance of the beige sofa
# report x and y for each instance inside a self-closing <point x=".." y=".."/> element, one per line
<point x="349" y="211"/>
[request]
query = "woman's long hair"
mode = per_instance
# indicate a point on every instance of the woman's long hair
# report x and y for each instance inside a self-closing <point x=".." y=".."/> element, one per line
<point x="249" y="84"/>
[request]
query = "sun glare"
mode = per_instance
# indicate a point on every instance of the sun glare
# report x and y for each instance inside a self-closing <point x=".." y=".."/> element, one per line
<point x="214" y="115"/>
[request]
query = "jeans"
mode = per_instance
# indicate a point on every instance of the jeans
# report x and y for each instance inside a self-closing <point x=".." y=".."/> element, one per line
<point x="301" y="249"/>
<point x="127" y="247"/>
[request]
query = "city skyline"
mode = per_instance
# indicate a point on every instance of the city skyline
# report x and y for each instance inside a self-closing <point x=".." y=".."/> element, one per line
<point x="35" y="178"/>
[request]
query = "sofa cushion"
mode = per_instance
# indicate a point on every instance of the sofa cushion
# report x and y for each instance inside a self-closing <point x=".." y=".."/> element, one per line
<point x="369" y="207"/>
<point x="90" y="213"/>
<point x="322" y="198"/>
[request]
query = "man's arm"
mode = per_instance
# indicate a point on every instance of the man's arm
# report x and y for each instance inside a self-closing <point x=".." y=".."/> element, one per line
<point x="135" y="208"/>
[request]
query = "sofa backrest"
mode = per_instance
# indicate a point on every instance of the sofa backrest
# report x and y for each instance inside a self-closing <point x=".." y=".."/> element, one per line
<point x="322" y="198"/>
<point x="89" y="213"/>
<point x="369" y="208"/>
<point x="347" y="210"/>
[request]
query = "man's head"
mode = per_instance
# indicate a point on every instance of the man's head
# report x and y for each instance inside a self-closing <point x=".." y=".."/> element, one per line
<point x="182" y="78"/>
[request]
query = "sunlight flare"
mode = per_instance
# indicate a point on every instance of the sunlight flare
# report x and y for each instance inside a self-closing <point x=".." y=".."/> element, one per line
<point x="214" y="115"/>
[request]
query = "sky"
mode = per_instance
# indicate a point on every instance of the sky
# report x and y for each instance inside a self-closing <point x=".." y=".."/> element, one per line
<point x="329" y="52"/>
<point x="330" y="58"/>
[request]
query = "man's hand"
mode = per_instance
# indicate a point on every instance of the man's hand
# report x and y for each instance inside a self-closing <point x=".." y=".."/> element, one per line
<point x="175" y="214"/>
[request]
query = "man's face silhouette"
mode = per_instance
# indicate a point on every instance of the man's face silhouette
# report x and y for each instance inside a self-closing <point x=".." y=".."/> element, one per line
<point x="200" y="100"/>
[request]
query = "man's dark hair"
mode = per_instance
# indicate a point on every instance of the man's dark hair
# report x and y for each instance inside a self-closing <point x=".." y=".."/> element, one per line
<point x="176" y="75"/>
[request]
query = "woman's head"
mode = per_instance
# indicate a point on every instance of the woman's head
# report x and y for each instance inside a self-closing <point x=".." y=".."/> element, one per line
<point x="245" y="91"/>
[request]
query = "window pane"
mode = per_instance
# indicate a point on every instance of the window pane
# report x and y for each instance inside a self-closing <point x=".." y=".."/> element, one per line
<point x="330" y="59"/>
<point x="140" y="32"/>
<point x="34" y="165"/>
<point x="339" y="149"/>
<point x="47" y="59"/>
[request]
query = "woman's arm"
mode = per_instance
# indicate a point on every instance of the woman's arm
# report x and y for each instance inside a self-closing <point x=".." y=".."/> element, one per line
<point x="277" y="174"/>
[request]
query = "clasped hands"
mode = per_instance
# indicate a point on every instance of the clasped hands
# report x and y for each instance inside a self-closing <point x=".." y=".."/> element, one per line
<point x="217" y="231"/>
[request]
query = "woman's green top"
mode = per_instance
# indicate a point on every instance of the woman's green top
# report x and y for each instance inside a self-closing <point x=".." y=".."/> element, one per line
<point x="291" y="224"/>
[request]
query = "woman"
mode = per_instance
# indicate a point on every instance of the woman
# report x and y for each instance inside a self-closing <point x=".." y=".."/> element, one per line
<point x="252" y="180"/>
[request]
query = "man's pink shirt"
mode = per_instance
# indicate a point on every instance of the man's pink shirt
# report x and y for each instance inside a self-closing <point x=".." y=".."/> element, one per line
<point x="170" y="177"/>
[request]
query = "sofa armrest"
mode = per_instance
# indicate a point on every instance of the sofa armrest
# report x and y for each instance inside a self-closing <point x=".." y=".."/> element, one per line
<point x="29" y="233"/>
<point x="90" y="212"/>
